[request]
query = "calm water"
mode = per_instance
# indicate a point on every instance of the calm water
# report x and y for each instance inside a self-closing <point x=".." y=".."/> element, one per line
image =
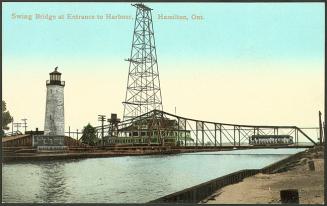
<point x="125" y="179"/>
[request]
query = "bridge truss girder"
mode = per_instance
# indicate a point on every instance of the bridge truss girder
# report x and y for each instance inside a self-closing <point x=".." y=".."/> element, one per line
<point x="206" y="133"/>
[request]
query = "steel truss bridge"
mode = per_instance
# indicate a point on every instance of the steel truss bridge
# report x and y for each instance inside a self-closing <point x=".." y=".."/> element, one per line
<point x="199" y="133"/>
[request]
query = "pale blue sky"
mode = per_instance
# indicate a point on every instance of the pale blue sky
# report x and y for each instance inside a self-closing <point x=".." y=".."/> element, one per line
<point x="246" y="63"/>
<point x="229" y="31"/>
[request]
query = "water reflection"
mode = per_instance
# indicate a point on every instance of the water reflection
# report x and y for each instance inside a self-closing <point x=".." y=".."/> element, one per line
<point x="136" y="179"/>
<point x="53" y="186"/>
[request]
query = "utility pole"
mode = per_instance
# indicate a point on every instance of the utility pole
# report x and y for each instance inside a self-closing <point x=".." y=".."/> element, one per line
<point x="102" y="119"/>
<point x="17" y="124"/>
<point x="25" y="124"/>
<point x="320" y="129"/>
<point x="12" y="127"/>
<point x="324" y="132"/>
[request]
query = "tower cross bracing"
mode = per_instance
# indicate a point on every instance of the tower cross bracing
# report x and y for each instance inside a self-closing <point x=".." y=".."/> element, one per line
<point x="143" y="93"/>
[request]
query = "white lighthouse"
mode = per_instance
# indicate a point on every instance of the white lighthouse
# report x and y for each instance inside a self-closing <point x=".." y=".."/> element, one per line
<point x="54" y="123"/>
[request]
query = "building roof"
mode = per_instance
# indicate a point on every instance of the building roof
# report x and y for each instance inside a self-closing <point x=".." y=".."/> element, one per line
<point x="55" y="71"/>
<point x="165" y="123"/>
<point x="6" y="139"/>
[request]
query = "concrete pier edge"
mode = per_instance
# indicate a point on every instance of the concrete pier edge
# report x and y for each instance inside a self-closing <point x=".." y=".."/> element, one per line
<point x="201" y="191"/>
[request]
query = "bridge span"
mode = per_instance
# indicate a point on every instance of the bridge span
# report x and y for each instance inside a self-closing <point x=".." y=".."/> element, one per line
<point x="159" y="132"/>
<point x="162" y="128"/>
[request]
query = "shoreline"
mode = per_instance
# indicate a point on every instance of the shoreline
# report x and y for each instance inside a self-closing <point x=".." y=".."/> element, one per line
<point x="264" y="188"/>
<point x="107" y="153"/>
<point x="97" y="154"/>
<point x="73" y="156"/>
<point x="208" y="191"/>
<point x="235" y="177"/>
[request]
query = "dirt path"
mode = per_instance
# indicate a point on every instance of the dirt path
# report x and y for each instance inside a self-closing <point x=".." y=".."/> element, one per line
<point x="265" y="188"/>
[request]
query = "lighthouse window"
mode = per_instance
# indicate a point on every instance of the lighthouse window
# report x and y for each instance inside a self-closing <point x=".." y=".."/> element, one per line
<point x="50" y="117"/>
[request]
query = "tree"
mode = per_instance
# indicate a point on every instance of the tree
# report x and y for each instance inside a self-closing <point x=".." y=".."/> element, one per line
<point x="6" y="118"/>
<point x="89" y="135"/>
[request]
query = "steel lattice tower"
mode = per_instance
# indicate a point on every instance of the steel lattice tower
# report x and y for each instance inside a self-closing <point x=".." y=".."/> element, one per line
<point x="143" y="93"/>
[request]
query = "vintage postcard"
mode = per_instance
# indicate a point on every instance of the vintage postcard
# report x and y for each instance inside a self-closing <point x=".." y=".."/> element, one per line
<point x="131" y="102"/>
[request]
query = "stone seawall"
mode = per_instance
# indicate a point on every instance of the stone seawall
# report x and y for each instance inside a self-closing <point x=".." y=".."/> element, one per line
<point x="199" y="192"/>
